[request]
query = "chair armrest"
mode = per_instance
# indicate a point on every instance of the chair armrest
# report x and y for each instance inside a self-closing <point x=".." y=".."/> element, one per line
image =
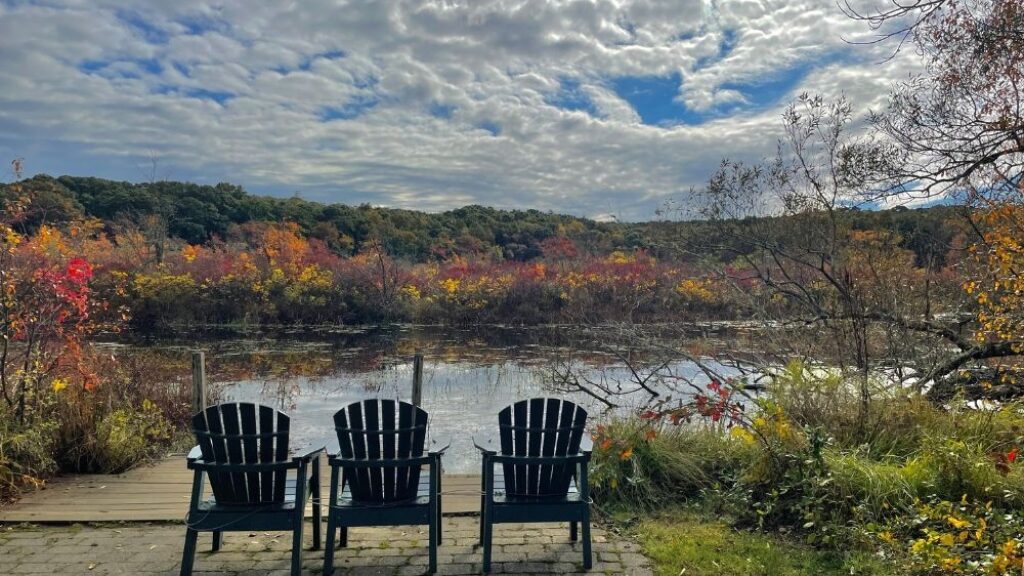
<point x="232" y="467"/>
<point x="194" y="454"/>
<point x="306" y="453"/>
<point x="438" y="446"/>
<point x="539" y="460"/>
<point x="586" y="444"/>
<point x="336" y="461"/>
<point x="486" y="445"/>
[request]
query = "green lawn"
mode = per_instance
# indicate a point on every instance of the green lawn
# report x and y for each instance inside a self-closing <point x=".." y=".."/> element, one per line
<point x="684" y="544"/>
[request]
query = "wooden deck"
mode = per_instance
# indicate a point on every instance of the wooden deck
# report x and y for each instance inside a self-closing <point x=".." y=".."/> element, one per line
<point x="160" y="492"/>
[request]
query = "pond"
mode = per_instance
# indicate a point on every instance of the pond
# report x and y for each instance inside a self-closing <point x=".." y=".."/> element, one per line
<point x="468" y="375"/>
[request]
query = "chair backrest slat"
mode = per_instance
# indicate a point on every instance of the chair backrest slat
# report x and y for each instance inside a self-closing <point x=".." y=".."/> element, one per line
<point x="551" y="412"/>
<point x="388" y="441"/>
<point x="540" y="427"/>
<point x="267" y="415"/>
<point x="247" y="412"/>
<point x="223" y="487"/>
<point x="373" y="441"/>
<point x="233" y="441"/>
<point x="535" y="442"/>
<point x="381" y="429"/>
<point x="519" y="446"/>
<point x="230" y="434"/>
<point x="505" y="438"/>
<point x="283" y="428"/>
<point x="361" y="483"/>
<point x="562" y="442"/>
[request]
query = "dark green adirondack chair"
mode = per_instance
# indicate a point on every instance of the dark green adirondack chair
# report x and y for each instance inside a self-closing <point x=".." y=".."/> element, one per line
<point x="376" y="475"/>
<point x="543" y="453"/>
<point x="243" y="450"/>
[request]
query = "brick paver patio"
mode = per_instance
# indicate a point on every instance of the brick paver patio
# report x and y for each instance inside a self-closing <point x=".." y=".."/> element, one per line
<point x="144" y="548"/>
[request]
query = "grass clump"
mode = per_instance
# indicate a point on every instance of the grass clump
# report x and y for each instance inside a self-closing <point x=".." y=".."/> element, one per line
<point x="687" y="543"/>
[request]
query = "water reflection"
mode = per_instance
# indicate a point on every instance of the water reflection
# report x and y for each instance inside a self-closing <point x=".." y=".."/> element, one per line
<point x="468" y="376"/>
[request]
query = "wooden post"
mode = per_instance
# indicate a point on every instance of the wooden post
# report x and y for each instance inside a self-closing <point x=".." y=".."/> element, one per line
<point x="417" y="379"/>
<point x="198" y="381"/>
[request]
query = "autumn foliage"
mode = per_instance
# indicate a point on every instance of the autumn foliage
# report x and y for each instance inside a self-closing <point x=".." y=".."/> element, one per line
<point x="63" y="404"/>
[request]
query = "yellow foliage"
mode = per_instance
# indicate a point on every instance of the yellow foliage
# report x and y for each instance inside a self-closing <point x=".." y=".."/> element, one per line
<point x="315" y="277"/>
<point x="451" y="286"/>
<point x="50" y="241"/>
<point x="619" y="257"/>
<point x="697" y="290"/>
<point x="189" y="253"/>
<point x="162" y="284"/>
<point x="411" y="291"/>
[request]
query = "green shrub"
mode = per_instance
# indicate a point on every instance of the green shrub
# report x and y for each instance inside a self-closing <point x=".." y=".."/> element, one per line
<point x="871" y="490"/>
<point x="128" y="436"/>
<point x="26" y="453"/>
<point x="640" y="464"/>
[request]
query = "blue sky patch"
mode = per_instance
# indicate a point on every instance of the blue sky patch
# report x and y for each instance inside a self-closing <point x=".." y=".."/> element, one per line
<point x="151" y="65"/>
<point x="349" y="111"/>
<point x="493" y="127"/>
<point x="441" y="110"/>
<point x="331" y="55"/>
<point x="182" y="69"/>
<point x="571" y="96"/>
<point x="770" y="90"/>
<point x="90" y="66"/>
<point x="653" y="98"/>
<point x="139" y="25"/>
<point x="218" y="97"/>
<point x="199" y="25"/>
<point x="102" y="67"/>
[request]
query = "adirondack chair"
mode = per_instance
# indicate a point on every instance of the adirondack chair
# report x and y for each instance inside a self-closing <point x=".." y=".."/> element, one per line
<point x="375" y="477"/>
<point x="243" y="450"/>
<point x="543" y="453"/>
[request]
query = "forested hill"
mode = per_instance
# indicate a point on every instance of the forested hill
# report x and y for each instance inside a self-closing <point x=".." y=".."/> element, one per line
<point x="198" y="213"/>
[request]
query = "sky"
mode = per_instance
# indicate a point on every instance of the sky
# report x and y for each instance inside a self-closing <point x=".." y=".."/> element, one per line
<point x="604" y="108"/>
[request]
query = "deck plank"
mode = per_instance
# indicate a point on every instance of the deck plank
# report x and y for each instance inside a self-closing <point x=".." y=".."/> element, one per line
<point x="160" y="492"/>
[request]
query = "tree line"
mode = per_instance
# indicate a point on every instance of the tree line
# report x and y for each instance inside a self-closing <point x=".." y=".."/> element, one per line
<point x="166" y="212"/>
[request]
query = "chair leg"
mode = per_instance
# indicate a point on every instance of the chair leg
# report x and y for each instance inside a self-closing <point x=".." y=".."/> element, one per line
<point x="297" y="549"/>
<point x="434" y="533"/>
<point x="317" y="513"/>
<point x="488" y="535"/>
<point x="435" y="514"/>
<point x="317" y="519"/>
<point x="486" y="514"/>
<point x="329" y="545"/>
<point x="588" y="561"/>
<point x="343" y="537"/>
<point x="572" y="531"/>
<point x="218" y="540"/>
<point x="440" y="500"/>
<point x="483" y="506"/>
<point x="188" y="555"/>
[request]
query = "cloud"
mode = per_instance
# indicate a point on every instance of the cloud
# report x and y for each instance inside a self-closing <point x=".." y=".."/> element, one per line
<point x="590" y="107"/>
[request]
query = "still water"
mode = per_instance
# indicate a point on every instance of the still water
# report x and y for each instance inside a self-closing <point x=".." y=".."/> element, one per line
<point x="468" y="375"/>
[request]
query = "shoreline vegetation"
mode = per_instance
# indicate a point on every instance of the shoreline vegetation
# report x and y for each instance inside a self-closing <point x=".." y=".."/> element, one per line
<point x="241" y="260"/>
